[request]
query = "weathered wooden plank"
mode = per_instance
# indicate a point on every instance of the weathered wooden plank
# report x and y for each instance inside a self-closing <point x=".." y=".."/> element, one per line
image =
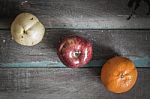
<point x="64" y="83"/>
<point x="78" y="14"/>
<point x="134" y="44"/>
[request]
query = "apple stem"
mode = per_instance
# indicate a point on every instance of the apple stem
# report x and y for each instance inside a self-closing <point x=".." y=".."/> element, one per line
<point x="77" y="54"/>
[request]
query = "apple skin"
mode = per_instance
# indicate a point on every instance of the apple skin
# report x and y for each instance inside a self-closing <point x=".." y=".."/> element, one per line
<point x="75" y="51"/>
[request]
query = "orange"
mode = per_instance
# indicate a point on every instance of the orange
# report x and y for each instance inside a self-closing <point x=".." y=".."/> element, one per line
<point x="119" y="74"/>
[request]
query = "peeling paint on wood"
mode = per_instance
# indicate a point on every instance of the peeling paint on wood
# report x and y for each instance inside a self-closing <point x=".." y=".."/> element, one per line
<point x="139" y="62"/>
<point x="107" y="43"/>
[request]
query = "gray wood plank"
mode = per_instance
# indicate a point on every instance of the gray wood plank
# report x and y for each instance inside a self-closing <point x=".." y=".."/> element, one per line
<point x="78" y="14"/>
<point x="60" y="83"/>
<point x="134" y="44"/>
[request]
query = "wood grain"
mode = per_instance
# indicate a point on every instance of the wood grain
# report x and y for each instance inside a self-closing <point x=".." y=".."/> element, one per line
<point x="103" y="22"/>
<point x="134" y="44"/>
<point x="77" y="14"/>
<point x="60" y="83"/>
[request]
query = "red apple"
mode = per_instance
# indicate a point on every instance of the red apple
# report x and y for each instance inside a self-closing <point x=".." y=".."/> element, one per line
<point x="75" y="51"/>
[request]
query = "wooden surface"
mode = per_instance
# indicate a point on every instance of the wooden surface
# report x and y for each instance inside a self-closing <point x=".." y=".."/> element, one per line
<point x="113" y="34"/>
<point x="103" y="22"/>
<point x="78" y="14"/>
<point x="134" y="44"/>
<point x="58" y="83"/>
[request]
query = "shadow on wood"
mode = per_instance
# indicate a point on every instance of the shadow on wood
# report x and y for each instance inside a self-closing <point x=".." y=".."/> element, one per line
<point x="104" y="52"/>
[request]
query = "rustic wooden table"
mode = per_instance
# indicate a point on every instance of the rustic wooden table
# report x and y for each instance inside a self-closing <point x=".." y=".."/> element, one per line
<point x="37" y="73"/>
